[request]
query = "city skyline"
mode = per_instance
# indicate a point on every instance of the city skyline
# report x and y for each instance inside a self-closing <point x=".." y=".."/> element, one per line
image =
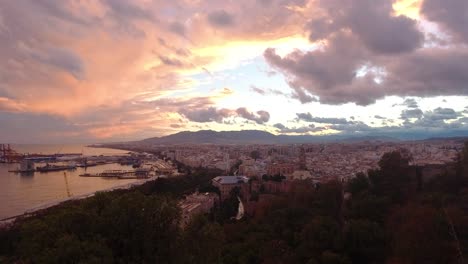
<point x="115" y="70"/>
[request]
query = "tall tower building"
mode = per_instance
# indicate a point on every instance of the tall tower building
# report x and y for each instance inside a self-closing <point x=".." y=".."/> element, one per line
<point x="226" y="162"/>
<point x="302" y="159"/>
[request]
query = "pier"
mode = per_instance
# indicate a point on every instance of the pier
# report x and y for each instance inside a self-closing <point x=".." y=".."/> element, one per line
<point x="120" y="174"/>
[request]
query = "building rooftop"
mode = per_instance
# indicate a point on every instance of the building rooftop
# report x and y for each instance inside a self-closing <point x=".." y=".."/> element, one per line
<point x="189" y="206"/>
<point x="231" y="179"/>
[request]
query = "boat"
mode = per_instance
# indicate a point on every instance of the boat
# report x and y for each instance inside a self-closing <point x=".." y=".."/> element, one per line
<point x="87" y="164"/>
<point x="25" y="167"/>
<point x="48" y="167"/>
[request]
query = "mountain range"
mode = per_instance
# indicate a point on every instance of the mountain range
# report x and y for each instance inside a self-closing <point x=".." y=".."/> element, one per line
<point x="251" y="137"/>
<point x="262" y="137"/>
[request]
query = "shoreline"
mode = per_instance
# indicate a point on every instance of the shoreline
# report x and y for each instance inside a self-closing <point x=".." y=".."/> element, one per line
<point x="5" y="222"/>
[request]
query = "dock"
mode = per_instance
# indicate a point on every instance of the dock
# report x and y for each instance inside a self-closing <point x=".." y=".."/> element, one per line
<point x="120" y="174"/>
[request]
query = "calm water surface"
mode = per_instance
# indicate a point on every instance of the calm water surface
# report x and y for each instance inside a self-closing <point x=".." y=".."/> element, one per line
<point x="19" y="193"/>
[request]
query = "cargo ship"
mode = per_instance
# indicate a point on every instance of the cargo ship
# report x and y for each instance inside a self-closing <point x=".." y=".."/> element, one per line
<point x="49" y="167"/>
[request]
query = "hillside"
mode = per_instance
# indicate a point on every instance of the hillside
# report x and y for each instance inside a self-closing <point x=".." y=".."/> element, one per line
<point x="251" y="137"/>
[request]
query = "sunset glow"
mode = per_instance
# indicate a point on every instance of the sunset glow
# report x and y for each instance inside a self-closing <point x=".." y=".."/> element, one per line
<point x="123" y="70"/>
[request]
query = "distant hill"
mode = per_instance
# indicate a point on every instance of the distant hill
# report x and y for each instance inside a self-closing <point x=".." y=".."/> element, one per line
<point x="252" y="137"/>
<point x="214" y="137"/>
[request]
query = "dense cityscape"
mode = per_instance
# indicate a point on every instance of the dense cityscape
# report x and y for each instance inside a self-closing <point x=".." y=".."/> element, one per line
<point x="357" y="187"/>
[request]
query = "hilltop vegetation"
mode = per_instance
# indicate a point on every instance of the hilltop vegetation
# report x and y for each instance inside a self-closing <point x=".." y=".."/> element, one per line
<point x="387" y="216"/>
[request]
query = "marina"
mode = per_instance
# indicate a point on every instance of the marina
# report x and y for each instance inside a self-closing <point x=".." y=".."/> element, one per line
<point x="24" y="187"/>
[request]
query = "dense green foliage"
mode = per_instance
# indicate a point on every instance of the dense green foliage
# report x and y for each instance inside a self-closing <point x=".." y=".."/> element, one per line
<point x="389" y="218"/>
<point x="390" y="215"/>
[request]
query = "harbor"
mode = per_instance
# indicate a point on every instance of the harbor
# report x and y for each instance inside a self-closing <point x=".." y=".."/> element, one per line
<point x="26" y="187"/>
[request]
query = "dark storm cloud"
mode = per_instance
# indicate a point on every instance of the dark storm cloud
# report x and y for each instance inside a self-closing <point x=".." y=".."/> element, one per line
<point x="220" y="18"/>
<point x="356" y="126"/>
<point x="368" y="54"/>
<point x="411" y="113"/>
<point x="452" y="15"/>
<point x="329" y="73"/>
<point x="381" y="32"/>
<point x="260" y="117"/>
<point x="442" y="114"/>
<point x="433" y="119"/>
<point x="323" y="120"/>
<point x="429" y="72"/>
<point x="410" y="103"/>
<point x="371" y="21"/>
<point x="279" y="126"/>
<point x="210" y="114"/>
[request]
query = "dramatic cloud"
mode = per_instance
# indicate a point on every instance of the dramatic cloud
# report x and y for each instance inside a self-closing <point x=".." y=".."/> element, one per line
<point x="220" y="18"/>
<point x="117" y="69"/>
<point x="213" y="114"/>
<point x="298" y="130"/>
<point x="433" y="119"/>
<point x="410" y="103"/>
<point x="329" y="74"/>
<point x="9" y="105"/>
<point x="411" y="113"/>
<point x="452" y="15"/>
<point x="206" y="115"/>
<point x="442" y="114"/>
<point x="367" y="53"/>
<point x="279" y="126"/>
<point x="352" y="127"/>
<point x="260" y="117"/>
<point x="371" y="21"/>
<point x="323" y="120"/>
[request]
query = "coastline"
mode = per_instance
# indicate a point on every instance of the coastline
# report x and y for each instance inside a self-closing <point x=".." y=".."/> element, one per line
<point x="6" y="222"/>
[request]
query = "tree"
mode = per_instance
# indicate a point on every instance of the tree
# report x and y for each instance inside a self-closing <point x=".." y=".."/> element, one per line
<point x="358" y="184"/>
<point x="320" y="234"/>
<point x="421" y="234"/>
<point x="393" y="177"/>
<point x="368" y="206"/>
<point x="365" y="241"/>
<point x="202" y="241"/>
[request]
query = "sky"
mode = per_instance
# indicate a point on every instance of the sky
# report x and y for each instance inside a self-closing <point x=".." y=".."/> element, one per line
<point x="118" y="70"/>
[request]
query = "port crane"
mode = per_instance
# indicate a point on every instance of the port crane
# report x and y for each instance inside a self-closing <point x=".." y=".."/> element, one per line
<point x="7" y="154"/>
<point x="66" y="185"/>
